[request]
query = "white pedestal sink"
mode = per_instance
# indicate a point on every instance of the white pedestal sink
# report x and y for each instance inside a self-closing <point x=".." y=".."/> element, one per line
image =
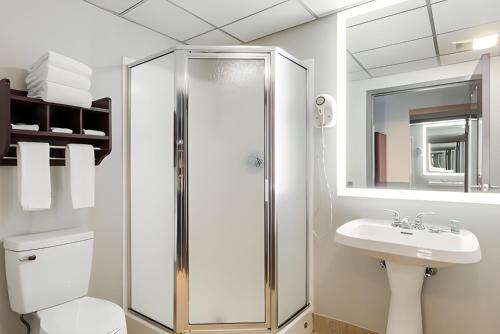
<point x="407" y="253"/>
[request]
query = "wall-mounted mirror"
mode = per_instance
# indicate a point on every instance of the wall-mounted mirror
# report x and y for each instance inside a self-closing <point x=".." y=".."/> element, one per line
<point x="421" y="111"/>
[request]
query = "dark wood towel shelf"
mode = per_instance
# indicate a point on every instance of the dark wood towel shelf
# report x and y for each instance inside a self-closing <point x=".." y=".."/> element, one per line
<point x="17" y="107"/>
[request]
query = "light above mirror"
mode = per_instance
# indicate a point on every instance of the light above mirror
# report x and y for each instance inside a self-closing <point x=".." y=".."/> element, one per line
<point x="485" y="42"/>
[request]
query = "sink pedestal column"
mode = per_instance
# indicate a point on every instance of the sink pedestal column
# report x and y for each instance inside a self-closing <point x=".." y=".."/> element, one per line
<point x="405" y="311"/>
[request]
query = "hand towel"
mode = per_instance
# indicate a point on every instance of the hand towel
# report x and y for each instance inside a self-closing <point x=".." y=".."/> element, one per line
<point x="61" y="130"/>
<point x="66" y="63"/>
<point x="33" y="175"/>
<point x="54" y="74"/>
<point x="93" y="132"/>
<point x="81" y="163"/>
<point x="30" y="127"/>
<point x="52" y="92"/>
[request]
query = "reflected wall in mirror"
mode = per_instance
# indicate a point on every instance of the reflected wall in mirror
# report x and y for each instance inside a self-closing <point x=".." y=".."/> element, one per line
<point x="421" y="113"/>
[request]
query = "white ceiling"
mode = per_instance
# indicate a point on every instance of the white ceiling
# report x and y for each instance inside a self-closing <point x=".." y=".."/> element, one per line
<point x="406" y="36"/>
<point x="413" y="35"/>
<point x="221" y="22"/>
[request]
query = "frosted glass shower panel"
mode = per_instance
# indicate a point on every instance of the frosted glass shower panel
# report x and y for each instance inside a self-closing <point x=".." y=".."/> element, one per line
<point x="152" y="221"/>
<point x="226" y="147"/>
<point x="291" y="186"/>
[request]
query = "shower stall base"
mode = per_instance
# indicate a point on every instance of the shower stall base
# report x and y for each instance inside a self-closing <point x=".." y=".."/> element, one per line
<point x="217" y="167"/>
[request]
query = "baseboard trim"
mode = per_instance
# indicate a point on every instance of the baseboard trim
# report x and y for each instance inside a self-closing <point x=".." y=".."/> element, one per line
<point x="325" y="325"/>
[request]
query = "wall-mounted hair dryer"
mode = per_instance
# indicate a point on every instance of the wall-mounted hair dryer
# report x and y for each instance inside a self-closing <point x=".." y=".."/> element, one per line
<point x="325" y="111"/>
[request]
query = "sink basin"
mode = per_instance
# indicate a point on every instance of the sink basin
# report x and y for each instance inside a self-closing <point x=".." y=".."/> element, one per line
<point x="379" y="239"/>
<point x="407" y="253"/>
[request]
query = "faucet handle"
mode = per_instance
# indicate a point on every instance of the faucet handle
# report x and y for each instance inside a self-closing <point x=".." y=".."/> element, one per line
<point x="420" y="216"/>
<point x="396" y="221"/>
<point x="395" y="213"/>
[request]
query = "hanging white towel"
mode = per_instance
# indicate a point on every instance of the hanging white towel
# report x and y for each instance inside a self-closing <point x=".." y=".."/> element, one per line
<point x="66" y="63"/>
<point x="52" y="92"/>
<point x="33" y="174"/>
<point x="46" y="72"/>
<point x="81" y="163"/>
<point x="30" y="127"/>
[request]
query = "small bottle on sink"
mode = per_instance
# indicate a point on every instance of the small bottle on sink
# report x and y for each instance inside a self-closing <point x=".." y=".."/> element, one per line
<point x="455" y="226"/>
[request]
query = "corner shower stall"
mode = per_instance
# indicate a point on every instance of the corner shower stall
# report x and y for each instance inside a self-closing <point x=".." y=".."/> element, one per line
<point x="217" y="183"/>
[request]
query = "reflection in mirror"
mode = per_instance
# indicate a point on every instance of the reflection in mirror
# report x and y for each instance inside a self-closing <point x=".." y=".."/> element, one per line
<point x="420" y="115"/>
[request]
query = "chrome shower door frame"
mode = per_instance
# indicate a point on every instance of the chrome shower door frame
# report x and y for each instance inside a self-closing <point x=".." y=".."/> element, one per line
<point x="181" y="307"/>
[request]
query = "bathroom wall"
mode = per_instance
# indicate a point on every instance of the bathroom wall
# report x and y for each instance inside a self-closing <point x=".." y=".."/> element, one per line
<point x="86" y="33"/>
<point x="350" y="286"/>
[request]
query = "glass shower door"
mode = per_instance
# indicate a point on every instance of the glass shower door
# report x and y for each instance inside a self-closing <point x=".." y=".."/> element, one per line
<point x="226" y="165"/>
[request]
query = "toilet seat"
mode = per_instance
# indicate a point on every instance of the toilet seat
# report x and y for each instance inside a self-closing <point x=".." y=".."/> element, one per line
<point x="84" y="315"/>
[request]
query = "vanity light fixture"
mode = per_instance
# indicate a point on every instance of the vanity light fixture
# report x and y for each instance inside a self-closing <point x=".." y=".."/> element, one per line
<point x="485" y="42"/>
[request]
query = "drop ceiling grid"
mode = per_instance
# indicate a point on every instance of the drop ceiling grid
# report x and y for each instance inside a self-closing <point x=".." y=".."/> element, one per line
<point x="443" y="34"/>
<point x="192" y="21"/>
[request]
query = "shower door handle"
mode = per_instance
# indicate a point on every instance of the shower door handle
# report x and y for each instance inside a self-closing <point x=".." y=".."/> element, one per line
<point x="255" y="160"/>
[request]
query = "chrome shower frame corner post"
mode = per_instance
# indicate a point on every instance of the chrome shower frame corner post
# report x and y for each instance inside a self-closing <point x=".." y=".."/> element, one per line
<point x="181" y="297"/>
<point x="273" y="227"/>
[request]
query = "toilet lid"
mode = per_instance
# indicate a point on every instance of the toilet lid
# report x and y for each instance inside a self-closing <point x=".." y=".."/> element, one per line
<point x="83" y="316"/>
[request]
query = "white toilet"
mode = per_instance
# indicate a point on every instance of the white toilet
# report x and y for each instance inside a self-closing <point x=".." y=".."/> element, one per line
<point x="48" y="276"/>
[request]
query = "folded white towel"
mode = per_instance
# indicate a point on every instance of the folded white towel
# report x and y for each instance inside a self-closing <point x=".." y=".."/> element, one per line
<point x="52" y="92"/>
<point x="54" y="74"/>
<point x="66" y="63"/>
<point x="93" y="132"/>
<point x="81" y="163"/>
<point x="33" y="175"/>
<point x="61" y="130"/>
<point x="30" y="127"/>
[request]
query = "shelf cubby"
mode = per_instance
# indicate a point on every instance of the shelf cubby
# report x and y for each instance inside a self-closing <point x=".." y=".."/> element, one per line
<point x="16" y="107"/>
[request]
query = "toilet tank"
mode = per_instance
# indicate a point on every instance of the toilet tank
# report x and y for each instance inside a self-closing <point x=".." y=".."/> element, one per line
<point x="47" y="269"/>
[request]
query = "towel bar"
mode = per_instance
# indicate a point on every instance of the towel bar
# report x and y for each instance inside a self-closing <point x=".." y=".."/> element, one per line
<point x="15" y="158"/>
<point x="57" y="147"/>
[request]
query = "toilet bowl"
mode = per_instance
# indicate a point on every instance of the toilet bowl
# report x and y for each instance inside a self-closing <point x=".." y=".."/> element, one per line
<point x="48" y="275"/>
<point x="82" y="316"/>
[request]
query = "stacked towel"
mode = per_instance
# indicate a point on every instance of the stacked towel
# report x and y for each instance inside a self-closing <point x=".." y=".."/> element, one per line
<point x="60" y="79"/>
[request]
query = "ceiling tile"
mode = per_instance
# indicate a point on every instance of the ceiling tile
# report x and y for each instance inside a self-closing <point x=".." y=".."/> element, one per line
<point x="405" y="67"/>
<point x="357" y="76"/>
<point x="445" y="41"/>
<point x="352" y="65"/>
<point x="386" y="11"/>
<point x="389" y="30"/>
<point x="324" y="7"/>
<point x="166" y="18"/>
<point x="399" y="53"/>
<point x="458" y="14"/>
<point x="462" y="57"/>
<point x="222" y="12"/>
<point x="283" y="16"/>
<point x="214" y="37"/>
<point x="116" y="6"/>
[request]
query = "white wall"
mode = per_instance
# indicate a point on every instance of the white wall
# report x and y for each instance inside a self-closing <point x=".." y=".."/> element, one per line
<point x="350" y="286"/>
<point x="84" y="32"/>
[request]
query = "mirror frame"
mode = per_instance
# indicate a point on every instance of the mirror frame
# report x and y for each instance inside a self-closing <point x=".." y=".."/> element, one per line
<point x="342" y="189"/>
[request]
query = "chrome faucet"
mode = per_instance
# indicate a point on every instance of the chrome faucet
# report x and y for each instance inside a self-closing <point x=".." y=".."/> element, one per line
<point x="396" y="220"/>
<point x="419" y="220"/>
<point x="405" y="223"/>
